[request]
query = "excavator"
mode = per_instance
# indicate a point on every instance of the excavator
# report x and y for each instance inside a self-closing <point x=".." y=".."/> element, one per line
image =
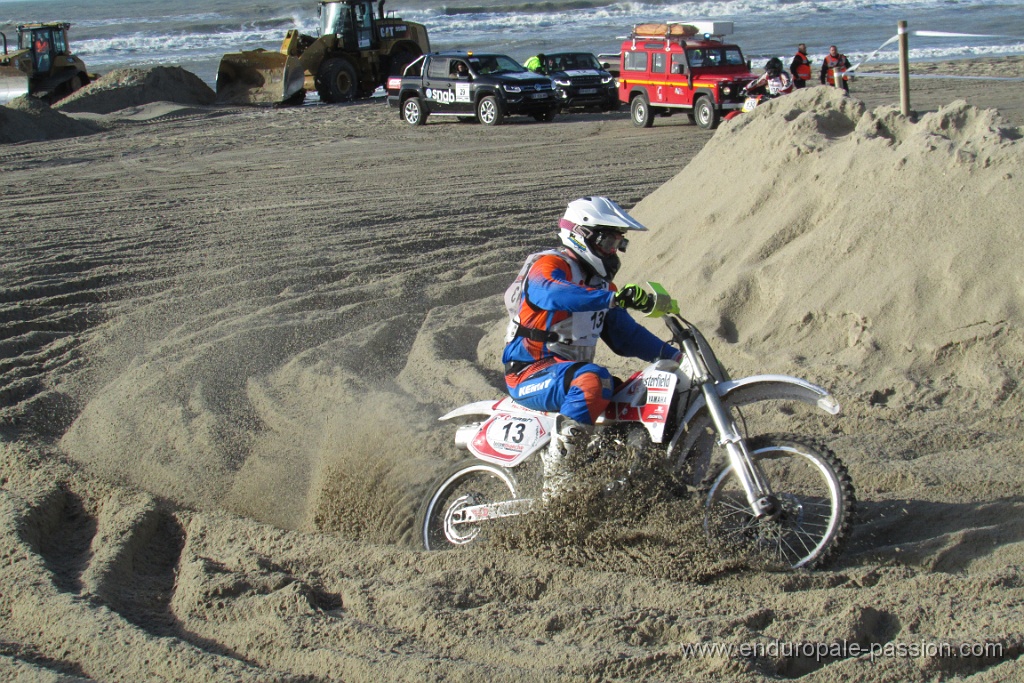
<point x="42" y="65"/>
<point x="358" y="48"/>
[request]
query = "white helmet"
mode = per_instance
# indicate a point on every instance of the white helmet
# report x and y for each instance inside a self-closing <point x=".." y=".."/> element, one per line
<point x="594" y="228"/>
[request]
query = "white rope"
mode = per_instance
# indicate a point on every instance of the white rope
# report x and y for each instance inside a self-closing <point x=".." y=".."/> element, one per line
<point x="928" y="34"/>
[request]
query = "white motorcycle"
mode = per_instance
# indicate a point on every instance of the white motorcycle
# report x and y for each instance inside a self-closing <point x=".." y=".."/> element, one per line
<point x="785" y="498"/>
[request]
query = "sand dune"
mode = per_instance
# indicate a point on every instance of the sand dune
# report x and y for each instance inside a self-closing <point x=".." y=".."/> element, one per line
<point x="228" y="333"/>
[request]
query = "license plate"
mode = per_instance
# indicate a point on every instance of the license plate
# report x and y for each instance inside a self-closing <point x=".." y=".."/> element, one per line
<point x="539" y="95"/>
<point x="588" y="91"/>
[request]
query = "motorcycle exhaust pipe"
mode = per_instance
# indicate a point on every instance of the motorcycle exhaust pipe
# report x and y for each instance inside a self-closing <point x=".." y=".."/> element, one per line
<point x="465" y="433"/>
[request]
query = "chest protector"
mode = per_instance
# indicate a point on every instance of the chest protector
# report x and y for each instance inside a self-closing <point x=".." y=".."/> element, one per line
<point x="574" y="338"/>
<point x="777" y="86"/>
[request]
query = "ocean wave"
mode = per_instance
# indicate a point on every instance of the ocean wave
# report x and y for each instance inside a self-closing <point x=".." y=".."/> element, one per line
<point x="525" y="8"/>
<point x="521" y="28"/>
<point x="698" y="9"/>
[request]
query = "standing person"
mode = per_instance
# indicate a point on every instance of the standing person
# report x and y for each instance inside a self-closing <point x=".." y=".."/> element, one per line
<point x="800" y="67"/>
<point x="833" y="60"/>
<point x="561" y="303"/>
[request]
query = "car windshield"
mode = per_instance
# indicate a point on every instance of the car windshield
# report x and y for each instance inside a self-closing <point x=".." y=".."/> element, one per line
<point x="580" y="60"/>
<point x="495" y="64"/>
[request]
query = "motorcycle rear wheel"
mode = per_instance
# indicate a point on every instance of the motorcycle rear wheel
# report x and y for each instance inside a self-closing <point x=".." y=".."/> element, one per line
<point x="814" y="492"/>
<point x="471" y="482"/>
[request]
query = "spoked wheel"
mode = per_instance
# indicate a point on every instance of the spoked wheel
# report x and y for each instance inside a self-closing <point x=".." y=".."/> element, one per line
<point x="444" y="518"/>
<point x="814" y="497"/>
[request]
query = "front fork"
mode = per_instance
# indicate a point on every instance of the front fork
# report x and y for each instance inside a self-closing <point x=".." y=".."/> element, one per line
<point x="758" y="491"/>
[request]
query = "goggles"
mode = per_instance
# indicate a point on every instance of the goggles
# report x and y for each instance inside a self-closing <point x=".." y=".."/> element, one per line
<point x="609" y="241"/>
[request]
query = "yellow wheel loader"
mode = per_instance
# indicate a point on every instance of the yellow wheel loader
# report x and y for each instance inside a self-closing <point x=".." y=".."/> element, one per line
<point x="42" y="65"/>
<point x="358" y="48"/>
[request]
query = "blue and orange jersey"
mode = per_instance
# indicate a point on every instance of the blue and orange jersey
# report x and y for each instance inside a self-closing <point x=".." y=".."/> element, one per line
<point x="550" y="297"/>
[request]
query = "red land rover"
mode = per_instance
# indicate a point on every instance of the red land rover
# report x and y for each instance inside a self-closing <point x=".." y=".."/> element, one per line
<point x="682" y="66"/>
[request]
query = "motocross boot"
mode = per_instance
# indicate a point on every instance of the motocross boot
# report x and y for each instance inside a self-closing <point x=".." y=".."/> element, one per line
<point x="567" y="434"/>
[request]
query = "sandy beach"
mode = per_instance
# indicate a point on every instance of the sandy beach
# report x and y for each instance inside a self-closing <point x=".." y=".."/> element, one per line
<point x="228" y="333"/>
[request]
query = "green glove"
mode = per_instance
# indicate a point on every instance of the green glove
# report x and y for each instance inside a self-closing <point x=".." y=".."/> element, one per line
<point x="634" y="296"/>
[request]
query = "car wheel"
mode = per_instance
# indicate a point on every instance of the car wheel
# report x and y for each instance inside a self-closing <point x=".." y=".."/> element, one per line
<point x="412" y="112"/>
<point x="705" y="114"/>
<point x="336" y="81"/>
<point x="640" y="112"/>
<point x="489" y="111"/>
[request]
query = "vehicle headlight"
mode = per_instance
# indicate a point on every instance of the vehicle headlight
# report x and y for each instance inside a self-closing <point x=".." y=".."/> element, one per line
<point x="563" y="83"/>
<point x="607" y="80"/>
<point x="726" y="90"/>
<point x="512" y="88"/>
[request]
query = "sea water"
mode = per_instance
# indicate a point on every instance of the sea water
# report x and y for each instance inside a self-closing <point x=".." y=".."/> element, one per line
<point x="193" y="34"/>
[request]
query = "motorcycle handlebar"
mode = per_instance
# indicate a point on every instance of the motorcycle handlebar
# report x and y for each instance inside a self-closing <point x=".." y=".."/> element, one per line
<point x="680" y="328"/>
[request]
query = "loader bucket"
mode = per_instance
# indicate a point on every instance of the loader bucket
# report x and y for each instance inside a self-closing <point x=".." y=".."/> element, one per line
<point x="13" y="83"/>
<point x="259" y="77"/>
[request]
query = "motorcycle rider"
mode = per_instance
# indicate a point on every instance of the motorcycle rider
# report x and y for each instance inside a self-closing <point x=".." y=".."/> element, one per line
<point x="774" y="81"/>
<point x="561" y="303"/>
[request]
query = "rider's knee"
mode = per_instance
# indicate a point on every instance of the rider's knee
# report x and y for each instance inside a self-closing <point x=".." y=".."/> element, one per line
<point x="590" y="394"/>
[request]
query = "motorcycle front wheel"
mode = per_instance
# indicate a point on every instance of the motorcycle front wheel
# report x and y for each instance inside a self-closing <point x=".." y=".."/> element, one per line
<point x="470" y="483"/>
<point x="815" y="500"/>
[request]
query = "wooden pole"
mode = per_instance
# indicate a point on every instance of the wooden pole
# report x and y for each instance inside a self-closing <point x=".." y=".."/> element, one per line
<point x="904" y="68"/>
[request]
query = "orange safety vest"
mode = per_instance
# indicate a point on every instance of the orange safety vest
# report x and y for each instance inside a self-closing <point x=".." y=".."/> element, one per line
<point x="830" y="64"/>
<point x="803" y="69"/>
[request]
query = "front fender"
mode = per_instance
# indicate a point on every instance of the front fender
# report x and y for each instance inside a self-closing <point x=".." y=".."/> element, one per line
<point x="741" y="392"/>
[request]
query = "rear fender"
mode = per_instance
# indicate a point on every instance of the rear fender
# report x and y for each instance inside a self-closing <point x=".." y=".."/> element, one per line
<point x="485" y="408"/>
<point x="741" y="392"/>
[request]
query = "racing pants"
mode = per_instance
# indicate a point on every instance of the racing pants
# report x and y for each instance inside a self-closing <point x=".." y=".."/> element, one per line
<point x="578" y="390"/>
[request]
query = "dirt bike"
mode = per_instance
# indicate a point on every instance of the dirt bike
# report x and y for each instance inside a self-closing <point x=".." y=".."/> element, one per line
<point x="753" y="98"/>
<point x="786" y="498"/>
